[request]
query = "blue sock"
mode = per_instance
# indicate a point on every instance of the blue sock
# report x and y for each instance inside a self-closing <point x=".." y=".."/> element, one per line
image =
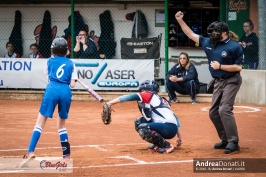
<point x="64" y="141"/>
<point x="34" y="138"/>
<point x="63" y="135"/>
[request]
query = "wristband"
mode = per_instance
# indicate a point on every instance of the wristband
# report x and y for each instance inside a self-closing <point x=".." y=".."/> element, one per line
<point x="220" y="66"/>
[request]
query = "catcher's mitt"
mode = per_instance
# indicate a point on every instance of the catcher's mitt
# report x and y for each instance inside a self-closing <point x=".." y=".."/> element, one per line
<point x="106" y="114"/>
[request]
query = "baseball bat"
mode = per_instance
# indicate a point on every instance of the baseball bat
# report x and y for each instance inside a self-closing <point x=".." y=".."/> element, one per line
<point x="91" y="91"/>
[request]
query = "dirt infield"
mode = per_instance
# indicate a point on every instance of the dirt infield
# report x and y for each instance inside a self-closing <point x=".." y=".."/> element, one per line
<point x="116" y="150"/>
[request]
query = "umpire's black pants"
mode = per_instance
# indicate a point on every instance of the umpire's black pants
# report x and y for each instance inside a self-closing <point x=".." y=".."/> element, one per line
<point x="220" y="113"/>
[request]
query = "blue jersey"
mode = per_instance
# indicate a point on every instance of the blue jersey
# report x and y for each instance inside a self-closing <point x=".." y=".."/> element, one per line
<point x="60" y="69"/>
<point x="227" y="52"/>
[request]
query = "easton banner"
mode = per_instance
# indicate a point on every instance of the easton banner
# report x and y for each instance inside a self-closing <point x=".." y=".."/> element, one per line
<point x="115" y="74"/>
<point x="144" y="48"/>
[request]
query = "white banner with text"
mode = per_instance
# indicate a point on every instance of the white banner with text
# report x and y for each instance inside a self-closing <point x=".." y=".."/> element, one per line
<point x="113" y="74"/>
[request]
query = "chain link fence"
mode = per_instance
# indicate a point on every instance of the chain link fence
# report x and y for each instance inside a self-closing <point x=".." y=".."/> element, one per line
<point x="243" y="21"/>
<point x="107" y="23"/>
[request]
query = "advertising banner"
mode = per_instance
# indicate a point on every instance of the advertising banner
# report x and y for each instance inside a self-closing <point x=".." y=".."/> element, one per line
<point x="115" y="74"/>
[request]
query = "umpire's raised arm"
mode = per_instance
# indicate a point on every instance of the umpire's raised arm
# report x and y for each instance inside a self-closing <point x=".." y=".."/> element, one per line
<point x="179" y="18"/>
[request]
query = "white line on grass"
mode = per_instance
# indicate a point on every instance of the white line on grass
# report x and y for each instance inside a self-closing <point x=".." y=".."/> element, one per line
<point x="131" y="158"/>
<point x="249" y="109"/>
<point x="132" y="164"/>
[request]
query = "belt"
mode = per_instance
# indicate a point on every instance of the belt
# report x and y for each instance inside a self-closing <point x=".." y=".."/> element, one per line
<point x="221" y="79"/>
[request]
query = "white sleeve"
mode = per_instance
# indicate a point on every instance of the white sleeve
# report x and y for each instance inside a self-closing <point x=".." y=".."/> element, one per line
<point x="46" y="68"/>
<point x="74" y="73"/>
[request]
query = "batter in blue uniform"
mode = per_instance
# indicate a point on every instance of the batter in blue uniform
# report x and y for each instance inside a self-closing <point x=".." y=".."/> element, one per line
<point x="157" y="122"/>
<point x="225" y="58"/>
<point x="62" y="75"/>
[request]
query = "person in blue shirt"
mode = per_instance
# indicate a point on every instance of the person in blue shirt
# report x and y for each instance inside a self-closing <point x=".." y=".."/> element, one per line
<point x="225" y="58"/>
<point x="62" y="75"/>
<point x="183" y="79"/>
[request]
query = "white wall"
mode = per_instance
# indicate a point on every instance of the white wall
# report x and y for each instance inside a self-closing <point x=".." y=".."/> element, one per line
<point x="253" y="88"/>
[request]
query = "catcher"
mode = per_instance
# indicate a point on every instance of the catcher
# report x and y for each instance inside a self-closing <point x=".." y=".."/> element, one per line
<point x="157" y="122"/>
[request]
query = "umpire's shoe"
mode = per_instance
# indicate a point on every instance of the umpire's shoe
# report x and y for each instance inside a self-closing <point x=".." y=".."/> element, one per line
<point x="231" y="147"/>
<point x="220" y="145"/>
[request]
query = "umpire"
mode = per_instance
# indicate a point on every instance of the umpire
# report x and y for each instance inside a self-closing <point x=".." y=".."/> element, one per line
<point x="225" y="63"/>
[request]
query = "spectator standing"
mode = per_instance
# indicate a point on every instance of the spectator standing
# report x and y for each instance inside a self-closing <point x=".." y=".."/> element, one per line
<point x="250" y="44"/>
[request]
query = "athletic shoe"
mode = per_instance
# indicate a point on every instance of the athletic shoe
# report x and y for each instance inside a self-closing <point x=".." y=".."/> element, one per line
<point x="26" y="159"/>
<point x="175" y="100"/>
<point x="66" y="158"/>
<point x="194" y="101"/>
<point x="153" y="147"/>
<point x="166" y="149"/>
<point x="220" y="145"/>
<point x="231" y="147"/>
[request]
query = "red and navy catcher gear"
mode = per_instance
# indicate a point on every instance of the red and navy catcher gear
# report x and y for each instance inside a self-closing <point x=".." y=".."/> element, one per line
<point x="149" y="85"/>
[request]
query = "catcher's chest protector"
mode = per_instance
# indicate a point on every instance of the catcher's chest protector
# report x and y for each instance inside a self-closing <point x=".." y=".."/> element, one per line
<point x="154" y="103"/>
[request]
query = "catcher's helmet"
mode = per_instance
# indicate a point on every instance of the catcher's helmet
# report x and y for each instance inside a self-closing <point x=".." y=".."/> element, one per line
<point x="59" y="42"/>
<point x="219" y="27"/>
<point x="149" y="85"/>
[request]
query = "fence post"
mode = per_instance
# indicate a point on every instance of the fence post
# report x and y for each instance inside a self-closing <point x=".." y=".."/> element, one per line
<point x="73" y="37"/>
<point x="262" y="33"/>
<point x="166" y="31"/>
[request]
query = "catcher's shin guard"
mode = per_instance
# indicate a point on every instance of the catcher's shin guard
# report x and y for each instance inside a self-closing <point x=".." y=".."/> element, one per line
<point x="65" y="148"/>
<point x="151" y="136"/>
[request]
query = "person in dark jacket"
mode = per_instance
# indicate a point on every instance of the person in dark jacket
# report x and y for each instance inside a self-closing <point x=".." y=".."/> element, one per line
<point x="250" y="44"/>
<point x="85" y="47"/>
<point x="182" y="78"/>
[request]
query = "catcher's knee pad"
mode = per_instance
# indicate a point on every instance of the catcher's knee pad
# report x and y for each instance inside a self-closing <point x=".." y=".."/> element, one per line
<point x="137" y="123"/>
<point x="144" y="130"/>
<point x="65" y="148"/>
<point x="150" y="136"/>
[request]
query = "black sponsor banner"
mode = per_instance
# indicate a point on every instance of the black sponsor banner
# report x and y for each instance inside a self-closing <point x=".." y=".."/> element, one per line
<point x="135" y="48"/>
<point x="229" y="165"/>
